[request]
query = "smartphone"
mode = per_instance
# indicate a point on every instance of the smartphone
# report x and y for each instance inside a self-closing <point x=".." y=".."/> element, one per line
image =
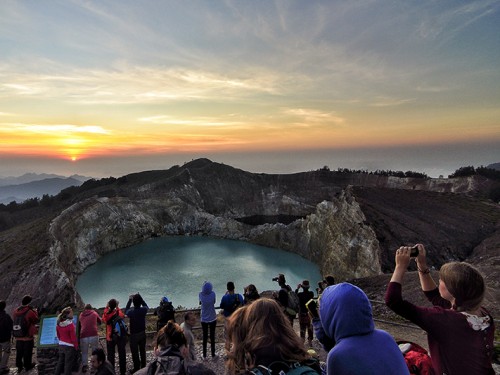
<point x="312" y="307"/>
<point x="414" y="251"/>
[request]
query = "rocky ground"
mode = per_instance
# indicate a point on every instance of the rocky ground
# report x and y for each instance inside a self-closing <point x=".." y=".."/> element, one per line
<point x="400" y="330"/>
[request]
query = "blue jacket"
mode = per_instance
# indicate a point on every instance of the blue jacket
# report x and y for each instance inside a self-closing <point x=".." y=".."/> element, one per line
<point x="207" y="302"/>
<point x="137" y="316"/>
<point x="346" y="316"/>
<point x="228" y="303"/>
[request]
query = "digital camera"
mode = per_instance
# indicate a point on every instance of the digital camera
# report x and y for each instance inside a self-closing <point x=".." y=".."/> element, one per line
<point x="414" y="251"/>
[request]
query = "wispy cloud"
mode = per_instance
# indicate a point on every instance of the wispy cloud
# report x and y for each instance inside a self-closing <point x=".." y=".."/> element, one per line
<point x="389" y="102"/>
<point x="57" y="129"/>
<point x="194" y="121"/>
<point x="313" y="116"/>
<point x="130" y="85"/>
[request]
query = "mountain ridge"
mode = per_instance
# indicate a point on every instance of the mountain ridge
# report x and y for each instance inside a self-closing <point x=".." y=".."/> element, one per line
<point x="348" y="224"/>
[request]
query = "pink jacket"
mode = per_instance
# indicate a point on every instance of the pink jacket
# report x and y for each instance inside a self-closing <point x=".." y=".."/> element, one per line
<point x="89" y="319"/>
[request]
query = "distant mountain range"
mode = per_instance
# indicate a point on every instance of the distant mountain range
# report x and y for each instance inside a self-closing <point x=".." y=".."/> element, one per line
<point x="31" y="185"/>
<point x="495" y="166"/>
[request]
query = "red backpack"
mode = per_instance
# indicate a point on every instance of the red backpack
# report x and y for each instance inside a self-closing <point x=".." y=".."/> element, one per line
<point x="417" y="359"/>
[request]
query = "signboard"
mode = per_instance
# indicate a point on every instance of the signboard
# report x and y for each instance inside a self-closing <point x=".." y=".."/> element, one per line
<point x="47" y="335"/>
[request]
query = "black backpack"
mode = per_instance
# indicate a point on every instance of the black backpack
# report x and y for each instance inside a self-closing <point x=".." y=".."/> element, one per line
<point x="237" y="302"/>
<point x="166" y="312"/>
<point x="20" y="326"/>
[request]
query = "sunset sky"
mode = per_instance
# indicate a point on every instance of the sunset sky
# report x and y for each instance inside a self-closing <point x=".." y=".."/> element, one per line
<point x="104" y="88"/>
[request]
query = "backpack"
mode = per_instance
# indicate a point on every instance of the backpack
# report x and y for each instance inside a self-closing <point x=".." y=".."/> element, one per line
<point x="20" y="326"/>
<point x="236" y="302"/>
<point x="282" y="368"/>
<point x="119" y="327"/>
<point x="417" y="359"/>
<point x="293" y="305"/>
<point x="173" y="363"/>
<point x="166" y="312"/>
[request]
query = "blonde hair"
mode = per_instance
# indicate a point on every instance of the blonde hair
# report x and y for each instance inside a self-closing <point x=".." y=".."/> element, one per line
<point x="170" y="334"/>
<point x="64" y="314"/>
<point x="260" y="325"/>
<point x="465" y="283"/>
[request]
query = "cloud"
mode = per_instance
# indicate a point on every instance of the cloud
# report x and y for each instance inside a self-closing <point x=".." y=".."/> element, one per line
<point x="59" y="129"/>
<point x="194" y="121"/>
<point x="389" y="102"/>
<point x="313" y="116"/>
<point x="137" y="84"/>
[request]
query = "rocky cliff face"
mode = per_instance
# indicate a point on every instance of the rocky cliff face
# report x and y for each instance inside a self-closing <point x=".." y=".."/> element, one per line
<point x="315" y="214"/>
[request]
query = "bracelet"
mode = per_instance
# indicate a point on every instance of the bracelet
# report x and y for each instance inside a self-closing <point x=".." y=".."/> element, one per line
<point x="424" y="272"/>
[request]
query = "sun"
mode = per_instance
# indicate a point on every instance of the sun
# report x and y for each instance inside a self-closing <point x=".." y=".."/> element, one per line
<point x="73" y="158"/>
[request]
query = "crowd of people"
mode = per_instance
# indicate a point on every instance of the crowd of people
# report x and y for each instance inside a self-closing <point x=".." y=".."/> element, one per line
<point x="258" y="332"/>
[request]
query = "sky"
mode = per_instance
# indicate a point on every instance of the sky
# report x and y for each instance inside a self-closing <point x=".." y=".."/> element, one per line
<point x="106" y="88"/>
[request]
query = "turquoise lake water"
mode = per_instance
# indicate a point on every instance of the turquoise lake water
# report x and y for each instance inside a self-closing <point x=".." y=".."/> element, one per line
<point x="177" y="266"/>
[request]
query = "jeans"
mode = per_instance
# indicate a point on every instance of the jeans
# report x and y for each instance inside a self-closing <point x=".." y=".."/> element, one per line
<point x="205" y="327"/>
<point x="122" y="359"/>
<point x="66" y="359"/>
<point x="5" y="353"/>
<point x="85" y="343"/>
<point x="138" y="346"/>
<point x="24" y="351"/>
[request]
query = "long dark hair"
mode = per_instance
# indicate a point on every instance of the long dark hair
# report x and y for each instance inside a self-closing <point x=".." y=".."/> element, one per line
<point x="259" y="325"/>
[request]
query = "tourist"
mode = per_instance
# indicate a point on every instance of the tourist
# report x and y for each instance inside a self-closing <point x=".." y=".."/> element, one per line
<point x="99" y="363"/>
<point x="207" y="300"/>
<point x="304" y="319"/>
<point x="112" y="341"/>
<point x="68" y="343"/>
<point x="187" y="328"/>
<point x="346" y="316"/>
<point x="137" y="319"/>
<point x="170" y="351"/>
<point x="5" y="338"/>
<point x="283" y="296"/>
<point x="229" y="303"/>
<point x="25" y="340"/>
<point x="165" y="312"/>
<point x="329" y="281"/>
<point x="459" y="330"/>
<point x="89" y="319"/>
<point x="262" y="338"/>
<point x="250" y="294"/>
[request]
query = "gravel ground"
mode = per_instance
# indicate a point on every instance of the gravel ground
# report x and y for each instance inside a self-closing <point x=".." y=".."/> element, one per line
<point x="399" y="332"/>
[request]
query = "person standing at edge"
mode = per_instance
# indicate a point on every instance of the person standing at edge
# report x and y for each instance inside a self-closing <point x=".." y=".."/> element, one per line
<point x="5" y="338"/>
<point x="229" y="303"/>
<point x="208" y="316"/>
<point x="111" y="311"/>
<point x="26" y="342"/>
<point x="137" y="316"/>
<point x="283" y="295"/>
<point x="88" y="321"/>
<point x="304" y="318"/>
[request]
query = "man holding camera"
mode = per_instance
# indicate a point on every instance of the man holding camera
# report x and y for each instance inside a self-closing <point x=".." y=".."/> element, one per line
<point x="283" y="295"/>
<point x="304" y="319"/>
<point x="137" y="316"/>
